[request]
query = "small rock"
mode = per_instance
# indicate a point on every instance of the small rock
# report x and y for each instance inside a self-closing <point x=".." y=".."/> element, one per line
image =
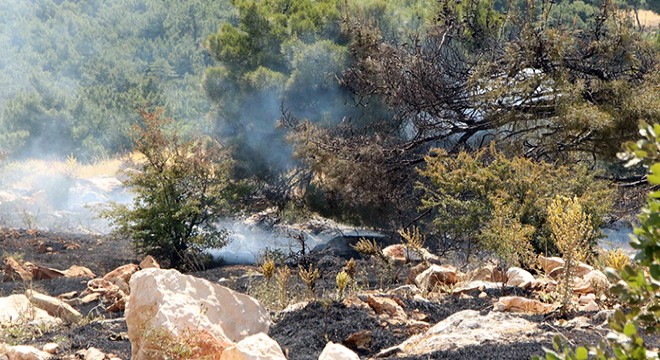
<point x="592" y="306"/>
<point x="436" y="274"/>
<point x="592" y="281"/>
<point x="149" y="262"/>
<point x="54" y="306"/>
<point x="521" y="304"/>
<point x="519" y="277"/>
<point x="67" y="295"/>
<point x="334" y="351"/>
<point x="415" y="271"/>
<point x="482" y="295"/>
<point x="14" y="271"/>
<point x="254" y="347"/>
<point x="78" y="271"/>
<point x="482" y="274"/>
<point x="51" y="348"/>
<point x="25" y="352"/>
<point x="360" y="340"/>
<point x="548" y="264"/>
<point x="585" y="299"/>
<point x="384" y="305"/>
<point x="121" y="276"/>
<point x="94" y="354"/>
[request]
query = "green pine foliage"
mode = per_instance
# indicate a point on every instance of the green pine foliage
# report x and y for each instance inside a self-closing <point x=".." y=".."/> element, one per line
<point x="473" y="196"/>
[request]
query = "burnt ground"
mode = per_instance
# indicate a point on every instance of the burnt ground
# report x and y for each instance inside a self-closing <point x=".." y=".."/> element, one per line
<point x="302" y="334"/>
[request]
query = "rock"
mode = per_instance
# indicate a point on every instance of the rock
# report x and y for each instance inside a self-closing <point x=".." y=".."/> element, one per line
<point x="54" y="306"/>
<point x="42" y="272"/>
<point x="592" y="306"/>
<point x="435" y="275"/>
<point x="463" y="329"/>
<point x="387" y="306"/>
<point x="405" y="291"/>
<point x="519" y="277"/>
<point x="167" y="300"/>
<point x="17" y="309"/>
<point x="149" y="262"/>
<point x="523" y="305"/>
<point x="591" y="282"/>
<point x="548" y="264"/>
<point x="583" y="269"/>
<point x="498" y="275"/>
<point x="359" y="340"/>
<point x="14" y="271"/>
<point x="333" y="351"/>
<point x="78" y="271"/>
<point x="94" y="354"/>
<point x="67" y="295"/>
<point x="415" y="271"/>
<point x="254" y="347"/>
<point x="25" y="352"/>
<point x="402" y="254"/>
<point x="121" y="276"/>
<point x="475" y="287"/>
<point x="51" y="348"/>
<point x="482" y="274"/>
<point x="585" y="299"/>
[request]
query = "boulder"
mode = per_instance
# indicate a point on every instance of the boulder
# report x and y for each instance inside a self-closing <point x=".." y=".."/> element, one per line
<point x="463" y="329"/>
<point x="333" y="351"/>
<point x="254" y="347"/>
<point x="548" y="264"/>
<point x="522" y="305"/>
<point x="168" y="301"/>
<point x="54" y="306"/>
<point x="24" y="352"/>
<point x="17" y="309"/>
<point x="149" y="262"/>
<point x="520" y="278"/>
<point x="435" y="275"/>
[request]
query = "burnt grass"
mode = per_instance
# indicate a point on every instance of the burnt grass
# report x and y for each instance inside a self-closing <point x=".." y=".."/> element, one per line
<point x="302" y="333"/>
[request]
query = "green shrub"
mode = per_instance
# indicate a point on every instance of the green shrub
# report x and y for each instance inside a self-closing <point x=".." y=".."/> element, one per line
<point x="638" y="287"/>
<point x="571" y="228"/>
<point x="181" y="190"/>
<point x="472" y="194"/>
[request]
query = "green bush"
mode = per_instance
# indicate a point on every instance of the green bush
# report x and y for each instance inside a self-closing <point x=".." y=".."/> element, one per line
<point x="181" y="190"/>
<point x="638" y="287"/>
<point x="474" y="194"/>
